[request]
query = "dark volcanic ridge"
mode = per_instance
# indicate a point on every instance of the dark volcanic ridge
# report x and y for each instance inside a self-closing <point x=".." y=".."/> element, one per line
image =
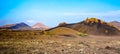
<point x="93" y="26"/>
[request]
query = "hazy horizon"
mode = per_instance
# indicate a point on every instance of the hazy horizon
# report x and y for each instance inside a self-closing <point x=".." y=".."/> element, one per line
<point x="52" y="12"/>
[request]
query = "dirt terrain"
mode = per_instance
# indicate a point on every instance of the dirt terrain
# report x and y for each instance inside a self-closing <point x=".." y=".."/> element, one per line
<point x="58" y="44"/>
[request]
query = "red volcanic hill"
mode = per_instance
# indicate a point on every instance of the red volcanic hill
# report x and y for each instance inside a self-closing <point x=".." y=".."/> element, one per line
<point x="93" y="26"/>
<point x="39" y="26"/>
<point x="18" y="26"/>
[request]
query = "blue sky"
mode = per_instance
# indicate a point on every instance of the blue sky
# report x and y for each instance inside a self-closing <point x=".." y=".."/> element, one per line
<point x="52" y="12"/>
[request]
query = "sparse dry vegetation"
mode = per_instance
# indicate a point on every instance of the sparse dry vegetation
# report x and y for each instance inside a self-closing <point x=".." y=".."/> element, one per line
<point x="82" y="34"/>
<point x="36" y="42"/>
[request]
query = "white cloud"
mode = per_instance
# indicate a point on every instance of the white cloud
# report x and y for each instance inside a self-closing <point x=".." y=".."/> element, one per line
<point x="30" y="21"/>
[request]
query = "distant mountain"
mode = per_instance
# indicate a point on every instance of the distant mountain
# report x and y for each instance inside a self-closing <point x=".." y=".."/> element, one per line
<point x="116" y="24"/>
<point x="92" y="26"/>
<point x="19" y="26"/>
<point x="7" y="26"/>
<point x="39" y="26"/>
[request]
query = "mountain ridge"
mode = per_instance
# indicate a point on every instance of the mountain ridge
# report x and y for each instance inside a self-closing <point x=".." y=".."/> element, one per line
<point x="18" y="26"/>
<point x="116" y="24"/>
<point x="93" y="26"/>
